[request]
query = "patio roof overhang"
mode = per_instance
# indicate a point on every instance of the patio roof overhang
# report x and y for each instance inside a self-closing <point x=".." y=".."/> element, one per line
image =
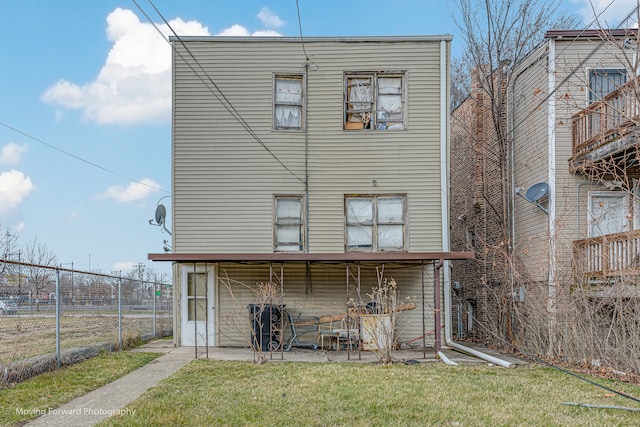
<point x="313" y="257"/>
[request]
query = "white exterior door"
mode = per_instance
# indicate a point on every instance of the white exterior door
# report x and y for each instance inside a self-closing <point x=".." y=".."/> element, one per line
<point x="198" y="306"/>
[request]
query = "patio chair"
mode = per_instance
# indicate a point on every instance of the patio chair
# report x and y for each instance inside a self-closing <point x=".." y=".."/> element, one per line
<point x="347" y="333"/>
<point x="301" y="326"/>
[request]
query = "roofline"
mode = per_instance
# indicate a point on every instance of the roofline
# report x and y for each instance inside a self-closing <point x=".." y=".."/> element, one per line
<point x="559" y="34"/>
<point x="312" y="39"/>
<point x="307" y="257"/>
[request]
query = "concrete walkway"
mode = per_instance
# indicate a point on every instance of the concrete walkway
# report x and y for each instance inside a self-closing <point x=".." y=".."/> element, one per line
<point x="111" y="399"/>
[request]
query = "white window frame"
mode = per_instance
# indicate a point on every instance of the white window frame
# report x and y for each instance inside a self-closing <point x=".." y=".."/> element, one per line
<point x="290" y="222"/>
<point x="299" y="105"/>
<point x="593" y="221"/>
<point x="358" y="116"/>
<point x="375" y="223"/>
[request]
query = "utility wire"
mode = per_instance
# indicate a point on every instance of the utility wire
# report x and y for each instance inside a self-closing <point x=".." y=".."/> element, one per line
<point x="300" y="27"/>
<point x="208" y="81"/>
<point x="80" y="158"/>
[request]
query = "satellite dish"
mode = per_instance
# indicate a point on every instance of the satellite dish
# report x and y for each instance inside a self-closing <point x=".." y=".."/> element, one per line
<point x="161" y="214"/>
<point x="537" y="192"/>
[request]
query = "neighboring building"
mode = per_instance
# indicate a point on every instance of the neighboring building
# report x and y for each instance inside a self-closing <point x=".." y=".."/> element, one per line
<point x="312" y="165"/>
<point x="572" y="114"/>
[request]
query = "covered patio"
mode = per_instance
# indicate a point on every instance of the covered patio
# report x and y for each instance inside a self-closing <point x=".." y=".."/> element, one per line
<point x="424" y="271"/>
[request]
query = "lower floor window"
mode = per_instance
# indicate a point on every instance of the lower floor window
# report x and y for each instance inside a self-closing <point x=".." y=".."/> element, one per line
<point x="375" y="223"/>
<point x="289" y="224"/>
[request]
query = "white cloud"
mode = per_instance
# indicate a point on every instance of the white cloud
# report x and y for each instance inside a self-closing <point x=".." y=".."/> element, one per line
<point x="12" y="153"/>
<point x="15" y="187"/>
<point x="134" y="85"/>
<point x="131" y="193"/>
<point x="610" y="12"/>
<point x="238" y="30"/>
<point x="269" y="19"/>
<point x="123" y="266"/>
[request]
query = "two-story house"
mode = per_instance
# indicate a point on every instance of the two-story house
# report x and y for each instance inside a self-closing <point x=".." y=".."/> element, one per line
<point x="571" y="117"/>
<point x="318" y="165"/>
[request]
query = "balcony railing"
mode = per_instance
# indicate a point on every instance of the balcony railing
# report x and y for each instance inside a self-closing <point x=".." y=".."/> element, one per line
<point x="607" y="256"/>
<point x="598" y="130"/>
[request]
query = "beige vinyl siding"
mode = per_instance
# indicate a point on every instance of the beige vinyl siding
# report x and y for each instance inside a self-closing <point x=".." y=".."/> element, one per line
<point x="573" y="58"/>
<point x="531" y="163"/>
<point x="224" y="180"/>
<point x="328" y="296"/>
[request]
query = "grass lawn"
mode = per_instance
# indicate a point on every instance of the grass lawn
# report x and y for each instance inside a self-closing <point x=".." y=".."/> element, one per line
<point x="52" y="389"/>
<point x="336" y="394"/>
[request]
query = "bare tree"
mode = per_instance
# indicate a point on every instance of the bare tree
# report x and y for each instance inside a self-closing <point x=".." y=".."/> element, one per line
<point x="38" y="256"/>
<point x="497" y="35"/>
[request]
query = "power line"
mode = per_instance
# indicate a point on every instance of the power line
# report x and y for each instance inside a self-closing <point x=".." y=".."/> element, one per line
<point x="300" y="27"/>
<point x="209" y="83"/>
<point x="95" y="165"/>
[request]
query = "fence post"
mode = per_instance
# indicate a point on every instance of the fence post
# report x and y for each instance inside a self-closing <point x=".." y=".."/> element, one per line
<point x="58" y="316"/>
<point x="120" y="311"/>
<point x="154" y="309"/>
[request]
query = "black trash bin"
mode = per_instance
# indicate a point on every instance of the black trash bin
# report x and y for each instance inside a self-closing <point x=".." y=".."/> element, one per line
<point x="266" y="326"/>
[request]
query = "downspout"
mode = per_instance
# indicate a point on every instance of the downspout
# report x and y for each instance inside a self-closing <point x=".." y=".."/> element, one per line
<point x="306" y="157"/>
<point x="444" y="190"/>
<point x="444" y="202"/>
<point x="552" y="192"/>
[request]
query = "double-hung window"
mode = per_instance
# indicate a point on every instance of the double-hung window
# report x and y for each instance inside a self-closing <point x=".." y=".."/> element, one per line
<point x="374" y="101"/>
<point x="288" y="224"/>
<point x="375" y="223"/>
<point x="288" y="102"/>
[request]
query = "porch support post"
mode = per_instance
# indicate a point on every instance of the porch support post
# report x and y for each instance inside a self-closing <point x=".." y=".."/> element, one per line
<point x="437" y="265"/>
<point x="424" y="334"/>
<point x="195" y="307"/>
<point x="206" y="309"/>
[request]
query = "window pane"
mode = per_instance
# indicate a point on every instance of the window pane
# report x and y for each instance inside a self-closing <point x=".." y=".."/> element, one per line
<point x="288" y="208"/>
<point x="602" y="82"/>
<point x="288" y="116"/>
<point x="201" y="279"/>
<point x="608" y="215"/>
<point x="390" y="210"/>
<point x="359" y="236"/>
<point x="288" y="91"/>
<point x="197" y="309"/>
<point x="390" y="237"/>
<point x="359" y="211"/>
<point x="288" y="234"/>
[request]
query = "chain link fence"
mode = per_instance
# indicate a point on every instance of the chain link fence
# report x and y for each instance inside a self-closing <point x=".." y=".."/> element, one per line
<point x="52" y="316"/>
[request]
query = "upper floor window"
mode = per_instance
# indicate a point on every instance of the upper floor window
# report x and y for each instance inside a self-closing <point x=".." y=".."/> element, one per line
<point x="375" y="223"/>
<point x="374" y="101"/>
<point x="603" y="81"/>
<point x="288" y="224"/>
<point x="287" y="102"/>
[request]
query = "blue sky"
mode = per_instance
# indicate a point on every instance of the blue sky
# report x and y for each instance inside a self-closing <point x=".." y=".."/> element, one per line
<point x="85" y="133"/>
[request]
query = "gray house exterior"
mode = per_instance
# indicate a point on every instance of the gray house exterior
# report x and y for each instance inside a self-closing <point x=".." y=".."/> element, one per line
<point x="318" y="166"/>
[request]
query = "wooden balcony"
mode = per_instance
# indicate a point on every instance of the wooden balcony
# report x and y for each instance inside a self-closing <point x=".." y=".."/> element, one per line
<point x="606" y="257"/>
<point x="607" y="130"/>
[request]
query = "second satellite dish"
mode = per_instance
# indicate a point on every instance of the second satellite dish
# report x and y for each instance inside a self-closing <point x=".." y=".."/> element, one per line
<point x="537" y="191"/>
